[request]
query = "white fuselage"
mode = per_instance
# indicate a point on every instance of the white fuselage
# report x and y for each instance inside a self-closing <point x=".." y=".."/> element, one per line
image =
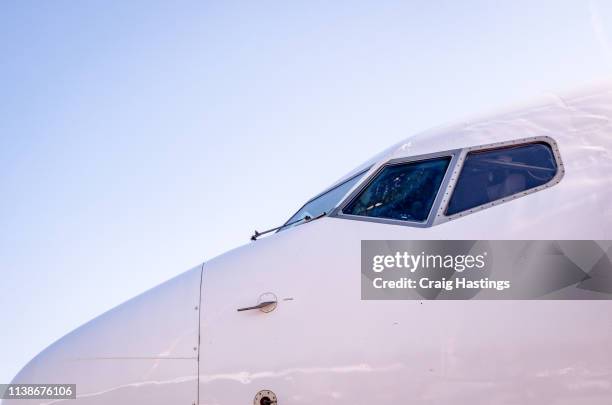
<point x="184" y="342"/>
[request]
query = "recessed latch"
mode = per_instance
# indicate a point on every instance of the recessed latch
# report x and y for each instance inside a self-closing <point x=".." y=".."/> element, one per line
<point x="267" y="303"/>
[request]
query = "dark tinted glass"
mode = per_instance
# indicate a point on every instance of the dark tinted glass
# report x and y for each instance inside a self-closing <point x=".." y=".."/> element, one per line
<point x="493" y="174"/>
<point x="404" y="191"/>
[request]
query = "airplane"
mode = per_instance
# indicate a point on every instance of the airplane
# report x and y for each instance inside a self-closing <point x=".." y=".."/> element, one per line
<point x="282" y="320"/>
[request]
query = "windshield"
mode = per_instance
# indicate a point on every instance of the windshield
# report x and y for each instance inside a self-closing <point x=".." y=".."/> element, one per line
<point x="323" y="203"/>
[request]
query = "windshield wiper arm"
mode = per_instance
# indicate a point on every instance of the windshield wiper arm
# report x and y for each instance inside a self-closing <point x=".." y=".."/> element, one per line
<point x="306" y="218"/>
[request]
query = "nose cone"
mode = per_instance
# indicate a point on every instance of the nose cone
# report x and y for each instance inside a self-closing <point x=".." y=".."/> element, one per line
<point x="143" y="351"/>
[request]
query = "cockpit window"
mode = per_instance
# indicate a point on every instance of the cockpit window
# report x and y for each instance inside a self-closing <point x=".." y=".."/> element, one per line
<point x="325" y="202"/>
<point x="494" y="174"/>
<point x="404" y="192"/>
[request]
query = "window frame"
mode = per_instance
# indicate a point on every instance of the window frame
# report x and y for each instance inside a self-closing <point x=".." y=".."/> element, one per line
<point x="452" y="154"/>
<point x="501" y="145"/>
<point x="437" y="214"/>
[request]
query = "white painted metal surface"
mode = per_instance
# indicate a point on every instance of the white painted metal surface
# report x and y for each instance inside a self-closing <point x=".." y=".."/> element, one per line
<point x="322" y="344"/>
<point x="327" y="346"/>
<point x="142" y="352"/>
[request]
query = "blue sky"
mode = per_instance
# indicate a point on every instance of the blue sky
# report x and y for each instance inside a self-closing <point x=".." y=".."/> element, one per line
<point x="138" y="139"/>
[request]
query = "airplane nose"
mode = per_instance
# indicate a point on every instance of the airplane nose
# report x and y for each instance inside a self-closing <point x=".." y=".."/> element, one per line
<point x="143" y="351"/>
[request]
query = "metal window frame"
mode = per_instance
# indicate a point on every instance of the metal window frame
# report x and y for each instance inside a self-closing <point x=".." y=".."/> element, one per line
<point x="437" y="214"/>
<point x="441" y="216"/>
<point x="452" y="154"/>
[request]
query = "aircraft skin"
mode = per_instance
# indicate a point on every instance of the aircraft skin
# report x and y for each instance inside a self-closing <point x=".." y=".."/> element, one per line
<point x="184" y="342"/>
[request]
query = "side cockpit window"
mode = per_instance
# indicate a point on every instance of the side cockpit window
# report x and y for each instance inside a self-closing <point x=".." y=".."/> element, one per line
<point x="404" y="191"/>
<point x="495" y="174"/>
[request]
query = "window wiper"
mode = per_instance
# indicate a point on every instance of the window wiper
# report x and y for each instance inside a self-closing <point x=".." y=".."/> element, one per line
<point x="306" y="218"/>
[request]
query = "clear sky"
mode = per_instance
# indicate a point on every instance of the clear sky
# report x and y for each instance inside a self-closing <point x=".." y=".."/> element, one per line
<point x="140" y="138"/>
